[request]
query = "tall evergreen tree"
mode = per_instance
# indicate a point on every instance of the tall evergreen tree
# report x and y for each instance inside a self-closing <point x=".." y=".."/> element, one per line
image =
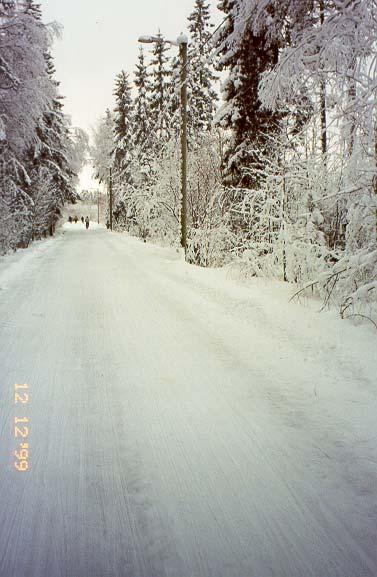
<point x="123" y="123"/>
<point x="50" y="163"/>
<point x="142" y="120"/>
<point x="143" y="129"/>
<point x="124" y="146"/>
<point x="202" y="101"/>
<point x="242" y="113"/>
<point x="160" y="90"/>
<point x="174" y="98"/>
<point x="36" y="174"/>
<point x="25" y="94"/>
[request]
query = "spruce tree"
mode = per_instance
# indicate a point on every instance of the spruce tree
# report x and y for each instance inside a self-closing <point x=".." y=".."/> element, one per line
<point x="242" y="113"/>
<point x="143" y="129"/>
<point x="174" y="98"/>
<point x="27" y="94"/>
<point x="142" y="120"/>
<point x="50" y="165"/>
<point x="160" y="91"/>
<point x="124" y="147"/>
<point x="123" y="123"/>
<point x="202" y="101"/>
<point x="36" y="175"/>
<point x="16" y="205"/>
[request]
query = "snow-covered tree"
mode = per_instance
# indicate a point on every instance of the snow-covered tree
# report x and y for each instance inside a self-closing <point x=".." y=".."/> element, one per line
<point x="242" y="113"/>
<point x="102" y="149"/>
<point x="123" y="123"/>
<point x="25" y="86"/>
<point x="124" y="144"/>
<point x="144" y="151"/>
<point x="16" y="205"/>
<point x="160" y="91"/>
<point x="174" y="99"/>
<point x="26" y="92"/>
<point x="328" y="53"/>
<point x="51" y="163"/>
<point x="142" y="118"/>
<point x="80" y="148"/>
<point x="202" y="96"/>
<point x="37" y="174"/>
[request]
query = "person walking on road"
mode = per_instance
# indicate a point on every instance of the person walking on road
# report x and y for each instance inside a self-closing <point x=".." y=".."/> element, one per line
<point x="87" y="222"/>
<point x="82" y="219"/>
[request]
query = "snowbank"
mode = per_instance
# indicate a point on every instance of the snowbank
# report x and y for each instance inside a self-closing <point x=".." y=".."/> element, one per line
<point x="13" y="266"/>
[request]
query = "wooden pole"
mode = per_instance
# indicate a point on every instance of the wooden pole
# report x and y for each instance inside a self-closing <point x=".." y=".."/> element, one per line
<point x="111" y="199"/>
<point x="184" y="62"/>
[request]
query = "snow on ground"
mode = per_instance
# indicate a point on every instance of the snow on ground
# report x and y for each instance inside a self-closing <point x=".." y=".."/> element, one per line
<point x="184" y="423"/>
<point x="12" y="266"/>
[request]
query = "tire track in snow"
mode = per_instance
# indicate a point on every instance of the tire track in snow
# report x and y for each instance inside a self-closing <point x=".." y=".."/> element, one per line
<point x="157" y="451"/>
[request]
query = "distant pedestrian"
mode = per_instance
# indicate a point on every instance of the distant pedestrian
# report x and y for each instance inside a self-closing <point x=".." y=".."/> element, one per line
<point x="87" y="222"/>
<point x="76" y="219"/>
<point x="69" y="219"/>
<point x="82" y="219"/>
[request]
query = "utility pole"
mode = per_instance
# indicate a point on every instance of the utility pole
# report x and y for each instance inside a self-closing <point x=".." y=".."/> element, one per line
<point x="111" y="198"/>
<point x="182" y="40"/>
<point x="98" y="205"/>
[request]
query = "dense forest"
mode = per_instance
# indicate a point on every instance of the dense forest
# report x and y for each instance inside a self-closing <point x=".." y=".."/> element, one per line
<point x="282" y="140"/>
<point x="282" y="168"/>
<point x="40" y="153"/>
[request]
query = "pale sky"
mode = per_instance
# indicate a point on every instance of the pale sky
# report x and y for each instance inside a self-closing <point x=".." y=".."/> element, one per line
<point x="99" y="39"/>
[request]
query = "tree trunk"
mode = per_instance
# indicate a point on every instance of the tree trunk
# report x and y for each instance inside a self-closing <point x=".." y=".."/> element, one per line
<point x="322" y="97"/>
<point x="323" y="121"/>
<point x="352" y="101"/>
<point x="375" y="159"/>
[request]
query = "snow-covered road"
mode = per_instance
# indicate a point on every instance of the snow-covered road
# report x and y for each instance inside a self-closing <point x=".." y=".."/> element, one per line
<point x="180" y="424"/>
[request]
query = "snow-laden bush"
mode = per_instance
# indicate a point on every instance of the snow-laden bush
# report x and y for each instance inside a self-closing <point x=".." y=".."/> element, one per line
<point x="150" y="207"/>
<point x="351" y="285"/>
<point x="211" y="247"/>
<point x="16" y="219"/>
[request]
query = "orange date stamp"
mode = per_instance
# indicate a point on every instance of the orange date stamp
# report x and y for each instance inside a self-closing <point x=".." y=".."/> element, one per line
<point x="21" y="428"/>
